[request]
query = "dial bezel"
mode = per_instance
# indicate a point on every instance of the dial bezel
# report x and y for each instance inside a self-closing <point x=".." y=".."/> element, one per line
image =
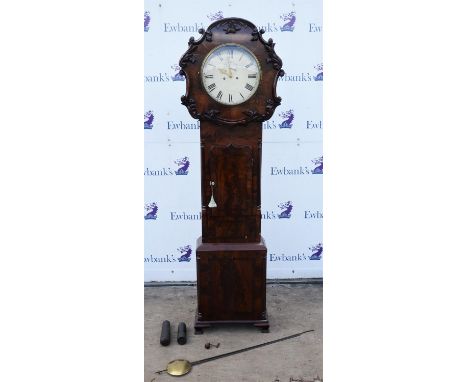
<point x="257" y="62"/>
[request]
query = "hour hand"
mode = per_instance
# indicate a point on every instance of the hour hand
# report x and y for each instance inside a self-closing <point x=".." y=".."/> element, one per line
<point x="224" y="71"/>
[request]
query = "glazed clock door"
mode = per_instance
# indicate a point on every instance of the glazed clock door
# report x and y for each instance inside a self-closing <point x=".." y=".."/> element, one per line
<point x="232" y="170"/>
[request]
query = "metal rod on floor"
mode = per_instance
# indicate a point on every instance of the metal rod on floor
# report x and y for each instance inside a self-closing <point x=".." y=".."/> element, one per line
<point x="247" y="349"/>
<point x="187" y="366"/>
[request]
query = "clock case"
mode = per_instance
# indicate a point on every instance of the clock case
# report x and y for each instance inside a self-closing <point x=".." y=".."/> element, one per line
<point x="231" y="255"/>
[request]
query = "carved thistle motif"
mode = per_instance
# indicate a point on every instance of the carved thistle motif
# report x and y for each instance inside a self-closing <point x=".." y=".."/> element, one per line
<point x="208" y="35"/>
<point x="191" y="106"/>
<point x="231" y="27"/>
<point x="270" y="48"/>
<point x="256" y="34"/>
<point x="212" y="115"/>
<point x="189" y="55"/>
<point x="272" y="56"/>
<point x="254" y="115"/>
<point x="271" y="105"/>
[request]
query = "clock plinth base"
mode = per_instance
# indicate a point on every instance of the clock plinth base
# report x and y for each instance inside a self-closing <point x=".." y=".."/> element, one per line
<point x="263" y="325"/>
<point x="231" y="284"/>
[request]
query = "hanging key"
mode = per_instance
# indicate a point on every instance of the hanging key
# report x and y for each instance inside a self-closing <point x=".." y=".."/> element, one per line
<point x="212" y="203"/>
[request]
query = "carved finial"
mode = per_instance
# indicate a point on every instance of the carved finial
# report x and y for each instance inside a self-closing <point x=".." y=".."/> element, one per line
<point x="281" y="73"/>
<point x="262" y="31"/>
<point x="201" y="31"/>
<point x="191" y="40"/>
<point x="231" y="27"/>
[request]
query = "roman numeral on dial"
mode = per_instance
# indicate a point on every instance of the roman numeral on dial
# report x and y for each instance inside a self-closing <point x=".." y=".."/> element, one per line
<point x="249" y="87"/>
<point x="252" y="76"/>
<point x="211" y="87"/>
<point x="211" y="76"/>
<point x="230" y="97"/>
<point x="249" y="65"/>
<point x="220" y="95"/>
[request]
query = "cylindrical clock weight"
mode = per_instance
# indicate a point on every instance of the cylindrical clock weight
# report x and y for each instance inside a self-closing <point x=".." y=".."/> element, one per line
<point x="231" y="73"/>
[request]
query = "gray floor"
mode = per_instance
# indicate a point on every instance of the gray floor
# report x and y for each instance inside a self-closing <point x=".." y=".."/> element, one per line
<point x="291" y="309"/>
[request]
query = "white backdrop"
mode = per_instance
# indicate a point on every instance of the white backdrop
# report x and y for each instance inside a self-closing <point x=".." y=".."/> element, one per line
<point x="292" y="161"/>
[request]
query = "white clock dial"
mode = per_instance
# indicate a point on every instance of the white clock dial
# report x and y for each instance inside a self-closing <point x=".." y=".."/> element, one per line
<point x="230" y="74"/>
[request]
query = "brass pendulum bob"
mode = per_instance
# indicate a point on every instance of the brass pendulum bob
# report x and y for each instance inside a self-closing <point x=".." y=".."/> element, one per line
<point x="178" y="367"/>
<point x="212" y="203"/>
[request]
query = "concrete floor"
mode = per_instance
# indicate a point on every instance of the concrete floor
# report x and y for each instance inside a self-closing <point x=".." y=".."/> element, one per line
<point x="291" y="309"/>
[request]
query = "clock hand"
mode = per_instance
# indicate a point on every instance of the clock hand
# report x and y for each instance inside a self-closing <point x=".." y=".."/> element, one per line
<point x="226" y="72"/>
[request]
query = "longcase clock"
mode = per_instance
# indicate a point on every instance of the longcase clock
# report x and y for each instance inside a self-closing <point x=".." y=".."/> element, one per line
<point x="231" y="75"/>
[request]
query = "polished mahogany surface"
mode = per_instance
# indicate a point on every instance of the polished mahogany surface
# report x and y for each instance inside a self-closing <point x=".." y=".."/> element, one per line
<point x="231" y="254"/>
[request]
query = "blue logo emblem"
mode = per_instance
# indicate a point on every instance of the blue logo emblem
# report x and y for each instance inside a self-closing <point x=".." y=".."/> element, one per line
<point x="147" y="21"/>
<point x="316" y="252"/>
<point x="177" y="76"/>
<point x="151" y="210"/>
<point x="183" y="164"/>
<point x="290" y="19"/>
<point x="319" y="69"/>
<point x="149" y="118"/>
<point x="286" y="210"/>
<point x="215" y="16"/>
<point x="186" y="253"/>
<point x="288" y="118"/>
<point x="318" y="162"/>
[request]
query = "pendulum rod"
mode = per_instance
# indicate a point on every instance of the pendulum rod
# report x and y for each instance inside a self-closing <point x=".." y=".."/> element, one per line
<point x="199" y="362"/>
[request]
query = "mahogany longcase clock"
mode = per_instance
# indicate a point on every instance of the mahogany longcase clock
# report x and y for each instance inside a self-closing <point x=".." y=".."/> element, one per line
<point x="231" y="74"/>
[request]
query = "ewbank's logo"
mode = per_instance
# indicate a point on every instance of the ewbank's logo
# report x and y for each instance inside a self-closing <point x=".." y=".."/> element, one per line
<point x="286" y="208"/>
<point x="183" y="216"/>
<point x="316" y="252"/>
<point x="185" y="28"/>
<point x="290" y="19"/>
<point x="149" y="118"/>
<point x="181" y="125"/>
<point x="183" y="169"/>
<point x="183" y="164"/>
<point x="297" y="77"/>
<point x="158" y="77"/>
<point x="300" y="170"/>
<point x="314" y="124"/>
<point x="313" y="215"/>
<point x="319" y="70"/>
<point x="186" y="253"/>
<point x="318" y="165"/>
<point x="215" y="16"/>
<point x="286" y="121"/>
<point x="147" y="21"/>
<point x="177" y="76"/>
<point x="151" y="210"/>
<point x="314" y="28"/>
<point x="288" y="118"/>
